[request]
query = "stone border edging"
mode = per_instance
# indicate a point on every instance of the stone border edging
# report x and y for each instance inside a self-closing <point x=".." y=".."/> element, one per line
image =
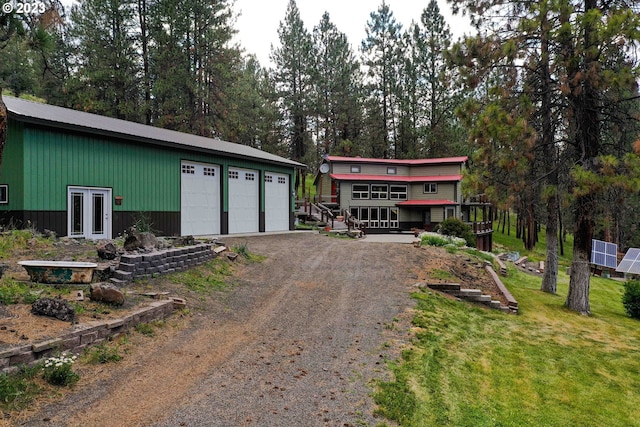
<point x="84" y="335"/>
<point x="511" y="301"/>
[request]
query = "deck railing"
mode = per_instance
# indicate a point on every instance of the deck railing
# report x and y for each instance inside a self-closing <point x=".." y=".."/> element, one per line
<point x="481" y="227"/>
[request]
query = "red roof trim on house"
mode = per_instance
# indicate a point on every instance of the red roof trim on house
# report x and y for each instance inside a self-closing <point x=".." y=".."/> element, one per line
<point x="395" y="178"/>
<point x="461" y="159"/>
<point x="426" y="203"/>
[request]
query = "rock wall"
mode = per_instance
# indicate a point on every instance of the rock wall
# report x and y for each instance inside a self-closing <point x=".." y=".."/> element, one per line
<point x="152" y="264"/>
<point x="82" y="336"/>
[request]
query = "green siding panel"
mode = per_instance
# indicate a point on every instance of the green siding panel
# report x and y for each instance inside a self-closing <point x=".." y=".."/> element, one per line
<point x="146" y="176"/>
<point x="12" y="173"/>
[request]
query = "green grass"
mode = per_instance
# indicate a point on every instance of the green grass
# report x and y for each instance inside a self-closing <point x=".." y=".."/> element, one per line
<point x="546" y="366"/>
<point x="210" y="276"/>
<point x="18" y="390"/>
<point x="504" y="242"/>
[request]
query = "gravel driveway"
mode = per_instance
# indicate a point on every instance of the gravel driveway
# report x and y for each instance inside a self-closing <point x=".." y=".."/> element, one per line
<point x="298" y="342"/>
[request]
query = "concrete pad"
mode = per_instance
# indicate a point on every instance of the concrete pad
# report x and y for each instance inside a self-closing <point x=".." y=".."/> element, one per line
<point x="389" y="238"/>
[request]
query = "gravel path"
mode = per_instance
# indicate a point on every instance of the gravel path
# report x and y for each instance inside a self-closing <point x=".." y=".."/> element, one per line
<point x="298" y="342"/>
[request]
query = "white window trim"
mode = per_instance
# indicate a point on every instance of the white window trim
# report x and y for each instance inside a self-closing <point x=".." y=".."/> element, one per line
<point x="380" y="194"/>
<point x="398" y="195"/>
<point x="360" y="193"/>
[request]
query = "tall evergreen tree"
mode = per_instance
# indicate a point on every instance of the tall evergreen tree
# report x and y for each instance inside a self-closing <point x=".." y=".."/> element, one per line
<point x="568" y="47"/>
<point x="382" y="56"/>
<point x="336" y="82"/>
<point x="293" y="79"/>
<point x="107" y="80"/>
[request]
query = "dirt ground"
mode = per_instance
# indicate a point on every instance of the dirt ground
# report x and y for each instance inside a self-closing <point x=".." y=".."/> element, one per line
<point x="299" y="340"/>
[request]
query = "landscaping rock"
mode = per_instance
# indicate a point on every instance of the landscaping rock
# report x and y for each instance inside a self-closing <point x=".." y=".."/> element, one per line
<point x="107" y="250"/>
<point x="136" y="240"/>
<point x="54" y="307"/>
<point x="184" y="241"/>
<point x="106" y="292"/>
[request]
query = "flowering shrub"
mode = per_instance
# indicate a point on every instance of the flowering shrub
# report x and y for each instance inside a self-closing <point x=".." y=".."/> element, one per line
<point x="58" y="370"/>
<point x="436" y="239"/>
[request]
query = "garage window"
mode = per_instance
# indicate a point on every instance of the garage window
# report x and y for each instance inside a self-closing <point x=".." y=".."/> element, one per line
<point x="282" y="180"/>
<point x="233" y="175"/>
<point x="268" y="178"/>
<point x="250" y="176"/>
<point x="189" y="169"/>
<point x="209" y="172"/>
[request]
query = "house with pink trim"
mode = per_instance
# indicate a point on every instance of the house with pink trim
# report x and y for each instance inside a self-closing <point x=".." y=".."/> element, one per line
<point x="389" y="195"/>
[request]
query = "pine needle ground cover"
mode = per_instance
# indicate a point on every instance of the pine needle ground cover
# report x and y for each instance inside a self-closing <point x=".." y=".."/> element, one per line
<point x="547" y="366"/>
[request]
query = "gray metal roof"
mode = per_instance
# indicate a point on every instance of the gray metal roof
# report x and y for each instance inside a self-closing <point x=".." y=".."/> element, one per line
<point x="65" y="118"/>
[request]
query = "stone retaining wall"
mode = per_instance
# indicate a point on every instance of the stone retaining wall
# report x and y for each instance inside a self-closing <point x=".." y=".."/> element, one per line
<point x="82" y="336"/>
<point x="145" y="266"/>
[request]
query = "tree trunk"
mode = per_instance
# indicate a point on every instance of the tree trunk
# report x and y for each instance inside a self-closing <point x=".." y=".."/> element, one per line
<point x="583" y="107"/>
<point x="550" y="275"/>
<point x="579" y="284"/>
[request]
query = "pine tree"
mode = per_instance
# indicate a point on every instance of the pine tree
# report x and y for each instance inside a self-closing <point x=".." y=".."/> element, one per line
<point x="107" y="80"/>
<point x="336" y="82"/>
<point x="562" y="56"/>
<point x="293" y="79"/>
<point x="382" y="55"/>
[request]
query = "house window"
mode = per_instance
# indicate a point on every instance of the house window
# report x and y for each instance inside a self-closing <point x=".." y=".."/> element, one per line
<point x="360" y="191"/>
<point x="355" y="168"/>
<point x="431" y="187"/>
<point x="398" y="192"/>
<point x="4" y="193"/>
<point x="450" y="212"/>
<point x="391" y="170"/>
<point x="379" y="191"/>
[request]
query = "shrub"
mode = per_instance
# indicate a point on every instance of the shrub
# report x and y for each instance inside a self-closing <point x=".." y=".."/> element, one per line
<point x="58" y="370"/>
<point x="435" y="239"/>
<point x="631" y="298"/>
<point x="455" y="227"/>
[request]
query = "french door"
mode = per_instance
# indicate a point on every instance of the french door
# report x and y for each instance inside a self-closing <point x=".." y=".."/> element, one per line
<point x="89" y="212"/>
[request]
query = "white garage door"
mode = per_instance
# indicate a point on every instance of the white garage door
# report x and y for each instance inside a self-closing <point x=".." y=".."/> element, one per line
<point x="199" y="199"/>
<point x="243" y="200"/>
<point x="276" y="201"/>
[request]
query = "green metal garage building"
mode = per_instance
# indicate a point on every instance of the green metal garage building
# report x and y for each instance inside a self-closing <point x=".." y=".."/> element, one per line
<point x="84" y="175"/>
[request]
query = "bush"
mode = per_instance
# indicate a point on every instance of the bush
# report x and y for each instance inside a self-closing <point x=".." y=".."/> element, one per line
<point x="58" y="370"/>
<point x="435" y="239"/>
<point x="631" y="298"/>
<point x="455" y="227"/>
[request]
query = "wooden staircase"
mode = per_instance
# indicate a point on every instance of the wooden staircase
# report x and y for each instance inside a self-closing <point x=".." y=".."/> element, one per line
<point x="472" y="295"/>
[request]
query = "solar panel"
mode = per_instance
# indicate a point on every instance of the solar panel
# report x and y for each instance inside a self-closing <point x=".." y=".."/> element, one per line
<point x="631" y="262"/>
<point x="604" y="254"/>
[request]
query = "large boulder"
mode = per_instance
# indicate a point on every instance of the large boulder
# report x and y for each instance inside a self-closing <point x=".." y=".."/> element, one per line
<point x="107" y="293"/>
<point x="107" y="250"/>
<point x="54" y="307"/>
<point x="139" y="240"/>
